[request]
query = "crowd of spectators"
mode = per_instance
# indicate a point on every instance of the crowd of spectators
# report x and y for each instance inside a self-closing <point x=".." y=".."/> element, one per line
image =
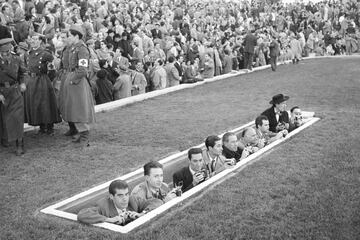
<point x="140" y="46"/>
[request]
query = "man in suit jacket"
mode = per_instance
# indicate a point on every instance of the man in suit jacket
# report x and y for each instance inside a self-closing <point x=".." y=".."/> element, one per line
<point x="113" y="209"/>
<point x="277" y="114"/>
<point x="214" y="161"/>
<point x="249" y="48"/>
<point x="193" y="174"/>
<point x="231" y="149"/>
<point x="156" y="33"/>
<point x="274" y="52"/>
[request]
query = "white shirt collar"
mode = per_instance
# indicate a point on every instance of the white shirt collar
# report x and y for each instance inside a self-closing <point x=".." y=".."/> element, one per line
<point x="192" y="171"/>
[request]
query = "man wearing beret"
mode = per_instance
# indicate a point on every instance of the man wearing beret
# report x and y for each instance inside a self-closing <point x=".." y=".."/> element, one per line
<point x="78" y="99"/>
<point x="11" y="101"/>
<point x="277" y="114"/>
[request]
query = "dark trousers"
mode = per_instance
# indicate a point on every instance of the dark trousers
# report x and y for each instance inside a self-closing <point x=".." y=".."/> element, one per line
<point x="273" y="62"/>
<point x="248" y="60"/>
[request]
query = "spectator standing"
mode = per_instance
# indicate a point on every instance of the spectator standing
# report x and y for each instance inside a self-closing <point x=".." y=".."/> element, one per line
<point x="209" y="67"/>
<point x="158" y="76"/>
<point x="173" y="76"/>
<point x="104" y="88"/>
<point x="274" y="53"/>
<point x="122" y="86"/>
<point x="249" y="48"/>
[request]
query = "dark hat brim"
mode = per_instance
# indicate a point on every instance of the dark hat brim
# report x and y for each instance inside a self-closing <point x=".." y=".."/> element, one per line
<point x="285" y="98"/>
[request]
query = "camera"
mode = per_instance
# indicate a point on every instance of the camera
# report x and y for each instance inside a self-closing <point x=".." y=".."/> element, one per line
<point x="178" y="192"/>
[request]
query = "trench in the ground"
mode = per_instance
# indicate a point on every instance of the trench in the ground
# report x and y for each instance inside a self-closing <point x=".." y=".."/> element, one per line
<point x="169" y="169"/>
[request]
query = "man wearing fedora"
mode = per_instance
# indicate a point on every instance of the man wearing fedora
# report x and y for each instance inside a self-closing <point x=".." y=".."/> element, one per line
<point x="277" y="115"/>
<point x="11" y="101"/>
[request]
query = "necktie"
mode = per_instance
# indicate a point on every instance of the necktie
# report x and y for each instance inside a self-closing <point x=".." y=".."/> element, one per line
<point x="213" y="165"/>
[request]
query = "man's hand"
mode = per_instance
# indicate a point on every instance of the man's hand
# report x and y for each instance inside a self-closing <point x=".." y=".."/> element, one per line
<point x="197" y="178"/>
<point x="22" y="87"/>
<point x="2" y="99"/>
<point x="170" y="195"/>
<point x="245" y="153"/>
<point x="134" y="215"/>
<point x="284" y="132"/>
<point x="117" y="219"/>
<point x="230" y="162"/>
<point x="261" y="143"/>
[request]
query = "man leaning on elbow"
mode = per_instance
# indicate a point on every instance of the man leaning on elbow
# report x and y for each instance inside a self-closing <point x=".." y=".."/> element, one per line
<point x="113" y="209"/>
<point x="153" y="192"/>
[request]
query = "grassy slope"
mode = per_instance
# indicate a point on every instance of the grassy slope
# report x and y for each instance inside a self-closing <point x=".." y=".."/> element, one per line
<point x="308" y="188"/>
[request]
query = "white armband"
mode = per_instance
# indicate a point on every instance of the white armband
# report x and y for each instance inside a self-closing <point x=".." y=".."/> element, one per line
<point x="83" y="63"/>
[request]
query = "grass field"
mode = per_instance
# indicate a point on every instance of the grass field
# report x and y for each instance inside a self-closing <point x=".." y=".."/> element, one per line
<point x="306" y="188"/>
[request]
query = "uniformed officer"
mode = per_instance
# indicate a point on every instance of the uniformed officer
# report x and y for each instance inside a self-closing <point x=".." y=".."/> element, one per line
<point x="11" y="101"/>
<point x="62" y="75"/>
<point x="41" y="107"/>
<point x="78" y="100"/>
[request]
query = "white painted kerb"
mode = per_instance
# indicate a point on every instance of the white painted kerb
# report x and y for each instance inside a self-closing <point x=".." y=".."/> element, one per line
<point x="52" y="210"/>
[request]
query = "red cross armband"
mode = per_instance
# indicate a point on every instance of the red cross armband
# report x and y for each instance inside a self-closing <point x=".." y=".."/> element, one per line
<point x="83" y="63"/>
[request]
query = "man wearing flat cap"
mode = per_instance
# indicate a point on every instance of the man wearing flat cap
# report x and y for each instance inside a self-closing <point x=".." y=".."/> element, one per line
<point x="78" y="105"/>
<point x="277" y="114"/>
<point x="12" y="84"/>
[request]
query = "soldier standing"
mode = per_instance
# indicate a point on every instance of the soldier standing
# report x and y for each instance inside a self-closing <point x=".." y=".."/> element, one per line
<point x="78" y="101"/>
<point x="40" y="101"/>
<point x="11" y="101"/>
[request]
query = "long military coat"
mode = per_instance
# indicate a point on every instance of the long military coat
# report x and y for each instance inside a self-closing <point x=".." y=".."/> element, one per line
<point x="12" y="111"/>
<point x="78" y="100"/>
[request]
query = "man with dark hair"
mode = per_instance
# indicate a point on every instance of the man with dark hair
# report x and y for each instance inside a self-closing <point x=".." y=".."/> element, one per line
<point x="156" y="33"/>
<point x="153" y="192"/>
<point x="214" y="161"/>
<point x="277" y="114"/>
<point x="113" y="209"/>
<point x="231" y="149"/>
<point x="191" y="175"/>
<point x="265" y="136"/>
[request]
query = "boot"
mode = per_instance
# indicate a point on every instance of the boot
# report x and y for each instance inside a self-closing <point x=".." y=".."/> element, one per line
<point x="83" y="139"/>
<point x="72" y="131"/>
<point x="42" y="129"/>
<point x="5" y="143"/>
<point x="50" y="129"/>
<point x="20" y="147"/>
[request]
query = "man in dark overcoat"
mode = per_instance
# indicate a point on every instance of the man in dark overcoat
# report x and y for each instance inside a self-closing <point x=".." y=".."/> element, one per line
<point x="41" y="108"/>
<point x="249" y="49"/>
<point x="11" y="100"/>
